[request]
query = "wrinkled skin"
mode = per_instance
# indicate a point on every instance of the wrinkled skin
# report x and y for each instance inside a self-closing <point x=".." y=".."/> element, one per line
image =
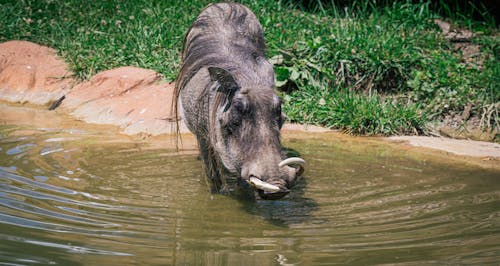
<point x="226" y="96"/>
<point x="247" y="136"/>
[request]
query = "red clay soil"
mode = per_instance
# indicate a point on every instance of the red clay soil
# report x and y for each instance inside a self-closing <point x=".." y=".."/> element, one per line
<point x="135" y="99"/>
<point x="32" y="73"/>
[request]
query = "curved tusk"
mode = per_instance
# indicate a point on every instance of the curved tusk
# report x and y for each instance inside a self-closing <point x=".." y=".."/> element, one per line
<point x="259" y="184"/>
<point x="293" y="160"/>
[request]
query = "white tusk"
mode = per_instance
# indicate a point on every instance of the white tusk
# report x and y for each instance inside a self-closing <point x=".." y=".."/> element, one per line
<point x="259" y="184"/>
<point x="292" y="160"/>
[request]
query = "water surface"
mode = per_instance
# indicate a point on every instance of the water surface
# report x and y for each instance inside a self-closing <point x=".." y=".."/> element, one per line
<point x="81" y="197"/>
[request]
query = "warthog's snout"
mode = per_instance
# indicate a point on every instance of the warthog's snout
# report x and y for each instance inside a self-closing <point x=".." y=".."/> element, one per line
<point x="276" y="187"/>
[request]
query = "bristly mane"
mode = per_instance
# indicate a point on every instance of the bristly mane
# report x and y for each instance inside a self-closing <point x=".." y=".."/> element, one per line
<point x="225" y="36"/>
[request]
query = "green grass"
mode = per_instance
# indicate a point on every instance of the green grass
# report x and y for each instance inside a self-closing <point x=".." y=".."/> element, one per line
<point x="354" y="113"/>
<point x="367" y="69"/>
<point x="393" y="58"/>
<point x="98" y="35"/>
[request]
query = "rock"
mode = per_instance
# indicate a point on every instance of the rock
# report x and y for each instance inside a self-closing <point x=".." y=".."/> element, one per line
<point x="133" y="98"/>
<point x="32" y="73"/>
<point x="453" y="34"/>
<point x="443" y="25"/>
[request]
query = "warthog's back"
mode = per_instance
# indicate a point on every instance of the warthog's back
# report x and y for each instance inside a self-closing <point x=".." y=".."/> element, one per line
<point x="224" y="35"/>
<point x="229" y="36"/>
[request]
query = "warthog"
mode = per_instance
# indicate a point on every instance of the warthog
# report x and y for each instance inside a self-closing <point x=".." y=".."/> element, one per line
<point x="225" y="94"/>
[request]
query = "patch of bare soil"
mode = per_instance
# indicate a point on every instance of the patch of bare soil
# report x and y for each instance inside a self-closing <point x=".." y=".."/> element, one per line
<point x="473" y="128"/>
<point x="465" y="125"/>
<point x="289" y="127"/>
<point x="460" y="147"/>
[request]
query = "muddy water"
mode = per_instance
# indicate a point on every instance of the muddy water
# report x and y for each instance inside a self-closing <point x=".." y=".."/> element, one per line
<point x="73" y="196"/>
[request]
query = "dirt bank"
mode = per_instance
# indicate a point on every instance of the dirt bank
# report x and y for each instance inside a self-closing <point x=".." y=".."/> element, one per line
<point x="136" y="100"/>
<point x="486" y="150"/>
<point x="35" y="118"/>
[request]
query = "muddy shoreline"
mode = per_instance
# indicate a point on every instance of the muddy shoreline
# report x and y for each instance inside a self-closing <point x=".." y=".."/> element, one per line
<point x="472" y="153"/>
<point x="135" y="102"/>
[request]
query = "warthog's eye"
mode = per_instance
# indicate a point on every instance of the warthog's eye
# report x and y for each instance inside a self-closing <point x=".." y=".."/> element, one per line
<point x="232" y="122"/>
<point x="240" y="105"/>
<point x="235" y="114"/>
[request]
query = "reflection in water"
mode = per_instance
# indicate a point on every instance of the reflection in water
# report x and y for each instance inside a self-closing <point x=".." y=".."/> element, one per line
<point x="294" y="209"/>
<point x="77" y="198"/>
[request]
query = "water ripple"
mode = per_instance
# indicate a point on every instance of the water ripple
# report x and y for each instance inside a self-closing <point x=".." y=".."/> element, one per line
<point x="77" y="200"/>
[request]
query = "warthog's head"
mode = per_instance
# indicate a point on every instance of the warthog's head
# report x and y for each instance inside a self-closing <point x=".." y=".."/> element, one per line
<point x="245" y="135"/>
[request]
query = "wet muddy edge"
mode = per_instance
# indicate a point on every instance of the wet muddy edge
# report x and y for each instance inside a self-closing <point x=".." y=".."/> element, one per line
<point x="138" y="101"/>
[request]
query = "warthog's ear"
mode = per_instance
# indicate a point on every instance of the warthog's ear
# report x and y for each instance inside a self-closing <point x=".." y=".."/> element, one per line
<point x="227" y="84"/>
<point x="226" y="81"/>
